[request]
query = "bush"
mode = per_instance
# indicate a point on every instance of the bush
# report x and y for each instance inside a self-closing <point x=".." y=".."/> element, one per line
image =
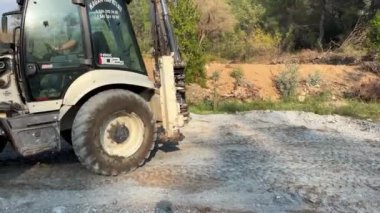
<point x="185" y="19"/>
<point x="314" y="79"/>
<point x="316" y="105"/>
<point x="263" y="43"/>
<point x="287" y="82"/>
<point x="369" y="91"/>
<point x="244" y="46"/>
<point x="238" y="75"/>
<point x="374" y="33"/>
<point x="215" y="76"/>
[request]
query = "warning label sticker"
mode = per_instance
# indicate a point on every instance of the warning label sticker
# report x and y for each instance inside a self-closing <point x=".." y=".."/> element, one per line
<point x="115" y="3"/>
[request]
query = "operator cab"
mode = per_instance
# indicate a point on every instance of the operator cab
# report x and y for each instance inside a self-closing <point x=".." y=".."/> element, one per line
<point x="63" y="39"/>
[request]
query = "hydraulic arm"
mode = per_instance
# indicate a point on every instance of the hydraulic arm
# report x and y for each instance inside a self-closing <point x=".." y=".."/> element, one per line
<point x="165" y="44"/>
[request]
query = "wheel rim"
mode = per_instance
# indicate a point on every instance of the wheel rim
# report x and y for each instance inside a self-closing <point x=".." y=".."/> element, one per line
<point x="122" y="135"/>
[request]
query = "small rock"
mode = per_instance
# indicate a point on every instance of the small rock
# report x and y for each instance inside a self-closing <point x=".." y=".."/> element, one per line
<point x="59" y="209"/>
<point x="2" y="201"/>
<point x="313" y="198"/>
<point x="301" y="98"/>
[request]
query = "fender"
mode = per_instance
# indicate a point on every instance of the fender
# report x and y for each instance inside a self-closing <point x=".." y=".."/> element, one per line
<point x="100" y="78"/>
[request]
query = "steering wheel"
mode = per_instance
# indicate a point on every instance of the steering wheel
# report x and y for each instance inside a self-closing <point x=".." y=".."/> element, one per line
<point x="51" y="52"/>
<point x="50" y="49"/>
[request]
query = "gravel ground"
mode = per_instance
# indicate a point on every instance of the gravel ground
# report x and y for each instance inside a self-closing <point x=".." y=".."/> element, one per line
<point x="252" y="162"/>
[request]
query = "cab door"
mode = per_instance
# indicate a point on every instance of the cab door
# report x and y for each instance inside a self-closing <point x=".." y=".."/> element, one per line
<point x="53" y="52"/>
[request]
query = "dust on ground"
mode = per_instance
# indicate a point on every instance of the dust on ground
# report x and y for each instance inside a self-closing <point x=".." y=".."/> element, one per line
<point x="250" y="162"/>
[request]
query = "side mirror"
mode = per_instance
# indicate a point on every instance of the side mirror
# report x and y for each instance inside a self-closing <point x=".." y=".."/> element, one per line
<point x="4" y="24"/>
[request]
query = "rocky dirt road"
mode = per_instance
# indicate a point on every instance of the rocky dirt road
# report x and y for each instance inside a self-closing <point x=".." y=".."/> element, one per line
<point x="252" y="162"/>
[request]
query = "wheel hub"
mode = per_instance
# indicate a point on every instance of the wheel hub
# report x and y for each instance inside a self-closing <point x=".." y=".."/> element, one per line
<point x="122" y="134"/>
<point x="119" y="133"/>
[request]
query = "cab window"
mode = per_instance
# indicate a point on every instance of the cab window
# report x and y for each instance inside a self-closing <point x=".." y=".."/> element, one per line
<point x="53" y="34"/>
<point x="113" y="40"/>
<point x="53" y="47"/>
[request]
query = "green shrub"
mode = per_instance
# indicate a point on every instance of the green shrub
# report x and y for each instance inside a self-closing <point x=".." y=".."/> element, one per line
<point x="185" y="18"/>
<point x="314" y="79"/>
<point x="263" y="43"/>
<point x="215" y="77"/>
<point x="287" y="82"/>
<point x="238" y="75"/>
<point x="374" y="33"/>
<point x="352" y="108"/>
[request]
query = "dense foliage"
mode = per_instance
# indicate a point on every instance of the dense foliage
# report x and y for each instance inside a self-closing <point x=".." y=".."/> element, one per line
<point x="374" y="33"/>
<point x="185" y="18"/>
<point x="242" y="30"/>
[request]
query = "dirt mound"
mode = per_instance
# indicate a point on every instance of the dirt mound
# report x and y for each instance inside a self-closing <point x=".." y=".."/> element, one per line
<point x="337" y="79"/>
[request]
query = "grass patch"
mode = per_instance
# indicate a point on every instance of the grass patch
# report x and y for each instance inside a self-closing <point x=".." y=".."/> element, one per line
<point x="360" y="110"/>
<point x="318" y="105"/>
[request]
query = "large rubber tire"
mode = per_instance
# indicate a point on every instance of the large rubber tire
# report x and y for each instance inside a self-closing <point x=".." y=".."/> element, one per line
<point x="88" y="132"/>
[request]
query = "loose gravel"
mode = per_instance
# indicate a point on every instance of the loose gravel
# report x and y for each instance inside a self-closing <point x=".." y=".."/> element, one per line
<point x="250" y="162"/>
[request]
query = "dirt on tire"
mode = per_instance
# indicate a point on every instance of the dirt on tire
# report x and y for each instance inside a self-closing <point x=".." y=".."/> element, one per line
<point x="86" y="139"/>
<point x="250" y="162"/>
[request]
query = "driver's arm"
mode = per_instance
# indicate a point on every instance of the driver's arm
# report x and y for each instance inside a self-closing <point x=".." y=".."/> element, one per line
<point x="68" y="45"/>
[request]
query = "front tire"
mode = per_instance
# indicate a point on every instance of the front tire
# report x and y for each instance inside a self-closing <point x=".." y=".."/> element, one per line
<point x="113" y="132"/>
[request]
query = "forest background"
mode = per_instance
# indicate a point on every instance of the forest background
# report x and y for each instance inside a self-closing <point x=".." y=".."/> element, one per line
<point x="320" y="56"/>
<point x="256" y="30"/>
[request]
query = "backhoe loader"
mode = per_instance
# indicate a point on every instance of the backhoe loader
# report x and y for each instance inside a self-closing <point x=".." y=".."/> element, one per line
<point x="74" y="70"/>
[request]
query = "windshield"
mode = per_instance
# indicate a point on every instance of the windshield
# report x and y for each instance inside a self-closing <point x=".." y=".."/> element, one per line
<point x="53" y="43"/>
<point x="53" y="34"/>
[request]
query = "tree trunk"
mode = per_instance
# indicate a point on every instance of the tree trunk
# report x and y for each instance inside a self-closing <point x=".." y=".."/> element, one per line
<point x="322" y="25"/>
